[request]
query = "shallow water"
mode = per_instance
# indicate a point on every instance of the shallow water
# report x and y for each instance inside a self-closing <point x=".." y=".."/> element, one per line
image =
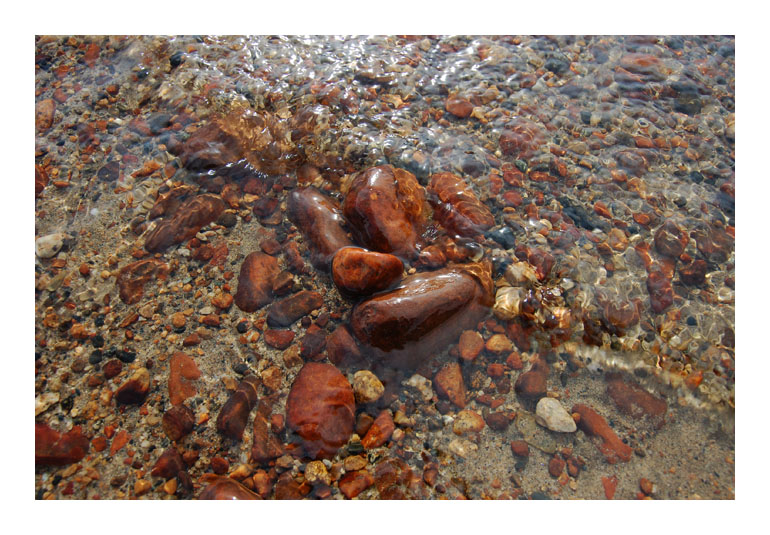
<point x="612" y="157"/>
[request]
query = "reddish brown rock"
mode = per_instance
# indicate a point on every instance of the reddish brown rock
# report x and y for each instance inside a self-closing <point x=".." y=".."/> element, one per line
<point x="279" y="338"/>
<point x="470" y="345"/>
<point x="694" y="273"/>
<point x="423" y="314"/>
<point x="178" y="422"/>
<point x="450" y="384"/>
<point x="169" y="464"/>
<point x="132" y="278"/>
<point x="645" y="65"/>
<point x="380" y="431"/>
<point x="633" y="400"/>
<point x="713" y="243"/>
<point x="341" y="347"/>
<point x="321" y="409"/>
<point x="594" y="425"/>
<point x="44" y="114"/>
<point x="182" y="371"/>
<point x="359" y="272"/>
<point x="224" y="488"/>
<point x="670" y="240"/>
<point x="556" y="466"/>
<point x="499" y="421"/>
<point x="288" y="488"/>
<point x="191" y="216"/>
<point x="235" y="412"/>
<point x="219" y="142"/>
<point x="112" y="368"/>
<point x="533" y="384"/>
<point x="520" y="448"/>
<point x="621" y="315"/>
<point x="289" y="309"/>
<point x="255" y="281"/>
<point x="135" y="389"/>
<point x="395" y="480"/>
<point x="660" y="290"/>
<point x="459" y="107"/>
<point x="313" y="343"/>
<point x="521" y="139"/>
<point x="385" y="207"/>
<point x="354" y="483"/>
<point x="266" y="446"/>
<point x="41" y="180"/>
<point x="58" y="449"/>
<point x="320" y="221"/>
<point x="456" y="207"/>
<point x="609" y="484"/>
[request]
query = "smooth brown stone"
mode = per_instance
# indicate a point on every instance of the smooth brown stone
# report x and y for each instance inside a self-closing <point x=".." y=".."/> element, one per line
<point x="694" y="273"/>
<point x="44" y="114"/>
<point x="288" y="488"/>
<point x="556" y="466"/>
<point x="217" y="143"/>
<point x="135" y="389"/>
<point x="670" y="240"/>
<point x="354" y="483"/>
<point x="235" y="412"/>
<point x="470" y="345"/>
<point x="386" y="209"/>
<point x="633" y="400"/>
<point x="321" y="409"/>
<point x="459" y="107"/>
<point x="380" y="431"/>
<point x="182" y="371"/>
<point x="359" y="272"/>
<point x="593" y="424"/>
<point x="266" y="445"/>
<point x="423" y="314"/>
<point x="713" y="243"/>
<point x="112" y="368"/>
<point x="521" y="139"/>
<point x="621" y="315"/>
<point x="660" y="290"/>
<point x="341" y="347"/>
<point x="169" y="464"/>
<point x="520" y="448"/>
<point x="499" y="421"/>
<point x="449" y="384"/>
<point x="58" y="449"/>
<point x="289" y="309"/>
<point x="278" y="338"/>
<point x="255" y="281"/>
<point x="178" y="422"/>
<point x="313" y="343"/>
<point x="189" y="218"/>
<point x="456" y="206"/>
<point x="533" y="384"/>
<point x="132" y="278"/>
<point x="395" y="480"/>
<point x="320" y="221"/>
<point x="41" y="180"/>
<point x="224" y="488"/>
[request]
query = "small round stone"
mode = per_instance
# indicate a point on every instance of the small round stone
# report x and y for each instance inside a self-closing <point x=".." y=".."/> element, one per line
<point x="367" y="387"/>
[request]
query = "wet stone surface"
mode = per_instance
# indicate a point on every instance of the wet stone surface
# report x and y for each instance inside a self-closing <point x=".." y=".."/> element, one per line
<point x="283" y="279"/>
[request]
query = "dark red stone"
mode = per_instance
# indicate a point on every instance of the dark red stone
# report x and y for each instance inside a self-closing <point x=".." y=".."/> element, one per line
<point x="533" y="384"/>
<point x="41" y="180"/>
<point x="593" y="424"/>
<point x="380" y="431"/>
<point x="178" y="422"/>
<point x="660" y="290"/>
<point x="354" y="483"/>
<point x="359" y="272"/>
<point x="694" y="273"/>
<point x="266" y="446"/>
<point x="289" y="309"/>
<point x="235" y="412"/>
<point x="320" y="221"/>
<point x="182" y="372"/>
<point x="456" y="207"/>
<point x="255" y="281"/>
<point x="58" y="449"/>
<point x="169" y="464"/>
<point x="189" y="218"/>
<point x="313" y="343"/>
<point x="279" y="338"/>
<point x="386" y="209"/>
<point x="670" y="240"/>
<point x="132" y="278"/>
<point x="459" y="107"/>
<point x="321" y="409"/>
<point x="224" y="488"/>
<point x="341" y="347"/>
<point x="521" y="139"/>
<point x="633" y="400"/>
<point x="423" y="314"/>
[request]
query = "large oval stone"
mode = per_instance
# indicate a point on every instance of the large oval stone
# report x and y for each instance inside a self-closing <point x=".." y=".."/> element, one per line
<point x="321" y="409"/>
<point x="423" y="314"/>
<point x="359" y="272"/>
<point x="385" y="207"/>
<point x="320" y="221"/>
<point x="456" y="207"/>
<point x="255" y="281"/>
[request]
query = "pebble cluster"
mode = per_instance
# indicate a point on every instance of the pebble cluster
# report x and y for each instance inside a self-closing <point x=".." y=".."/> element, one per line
<point x="384" y="267"/>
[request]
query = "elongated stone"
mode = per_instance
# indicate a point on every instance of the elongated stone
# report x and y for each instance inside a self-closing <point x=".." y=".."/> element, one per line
<point x="321" y="409"/>
<point x="386" y="209"/>
<point x="457" y="207"/>
<point x="224" y="488"/>
<point x="423" y="314"/>
<point x="235" y="412"/>
<point x="266" y="446"/>
<point x="255" y="281"/>
<point x="289" y="309"/>
<point x="593" y="424"/>
<point x="359" y="272"/>
<point x="182" y="372"/>
<point x="189" y="218"/>
<point x="320" y="221"/>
